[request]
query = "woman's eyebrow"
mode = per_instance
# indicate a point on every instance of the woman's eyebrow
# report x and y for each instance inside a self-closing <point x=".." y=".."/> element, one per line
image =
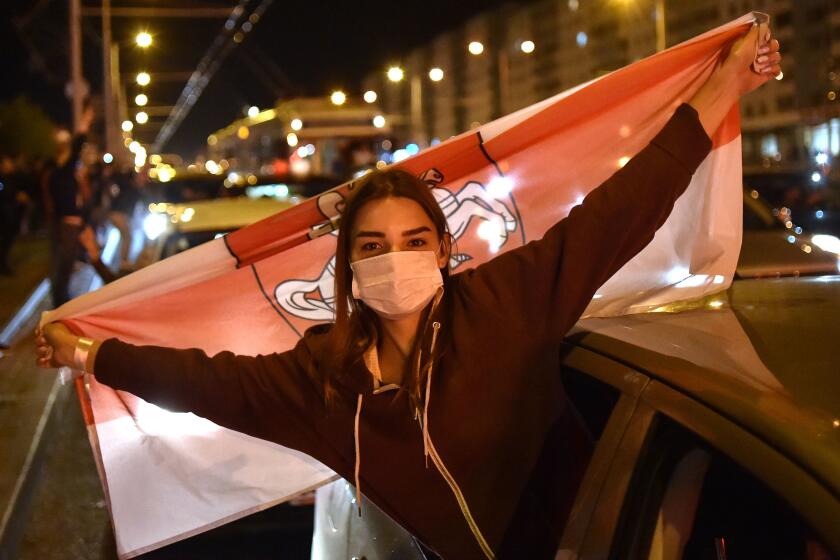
<point x="415" y="231"/>
<point x="370" y="234"/>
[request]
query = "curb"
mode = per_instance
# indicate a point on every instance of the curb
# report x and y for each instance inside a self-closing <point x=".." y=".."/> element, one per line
<point x="22" y="316"/>
<point x="14" y="519"/>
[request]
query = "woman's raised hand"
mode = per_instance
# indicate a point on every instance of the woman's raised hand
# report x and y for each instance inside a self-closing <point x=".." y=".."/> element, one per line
<point x="737" y="76"/>
<point x="54" y="346"/>
<point x="753" y="60"/>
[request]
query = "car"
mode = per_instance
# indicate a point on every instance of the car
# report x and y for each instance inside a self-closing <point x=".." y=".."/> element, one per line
<point x="171" y="228"/>
<point x="712" y="419"/>
<point x="716" y="426"/>
<point x="199" y="208"/>
<point x="192" y="186"/>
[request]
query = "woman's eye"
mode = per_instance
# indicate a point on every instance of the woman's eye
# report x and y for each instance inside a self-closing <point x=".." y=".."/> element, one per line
<point x="371" y="246"/>
<point x="416" y="243"/>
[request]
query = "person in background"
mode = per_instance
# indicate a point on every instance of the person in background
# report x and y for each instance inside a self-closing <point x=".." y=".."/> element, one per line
<point x="87" y="238"/>
<point x="26" y="182"/>
<point x="11" y="205"/>
<point x="62" y="189"/>
<point x="122" y="209"/>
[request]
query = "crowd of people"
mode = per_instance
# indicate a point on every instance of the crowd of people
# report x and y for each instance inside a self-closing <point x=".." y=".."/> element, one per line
<point x="73" y="197"/>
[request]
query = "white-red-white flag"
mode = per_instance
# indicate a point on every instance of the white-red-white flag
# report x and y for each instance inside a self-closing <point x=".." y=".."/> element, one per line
<point x="168" y="476"/>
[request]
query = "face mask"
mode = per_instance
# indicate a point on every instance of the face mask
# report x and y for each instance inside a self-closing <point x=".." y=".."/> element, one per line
<point x="398" y="283"/>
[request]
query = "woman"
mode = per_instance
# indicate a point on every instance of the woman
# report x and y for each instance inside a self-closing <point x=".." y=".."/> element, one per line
<point x="439" y="394"/>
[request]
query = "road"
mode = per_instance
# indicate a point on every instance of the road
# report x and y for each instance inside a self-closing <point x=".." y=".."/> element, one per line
<point x="65" y="515"/>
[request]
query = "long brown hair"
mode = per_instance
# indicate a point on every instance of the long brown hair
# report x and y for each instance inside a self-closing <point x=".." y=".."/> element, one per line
<point x="356" y="326"/>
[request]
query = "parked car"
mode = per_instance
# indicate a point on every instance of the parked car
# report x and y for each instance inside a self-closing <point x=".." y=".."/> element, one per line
<point x="716" y="422"/>
<point x="717" y="429"/>
<point x="172" y="228"/>
<point x="189" y="187"/>
<point x="198" y="208"/>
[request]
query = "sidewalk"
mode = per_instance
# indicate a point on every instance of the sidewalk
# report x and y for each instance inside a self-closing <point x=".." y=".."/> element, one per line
<point x="30" y="261"/>
<point x="32" y="401"/>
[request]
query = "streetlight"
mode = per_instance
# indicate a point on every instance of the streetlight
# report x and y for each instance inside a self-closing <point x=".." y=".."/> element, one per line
<point x="142" y="117"/>
<point x="143" y="78"/>
<point x="141" y="99"/>
<point x="338" y="98"/>
<point x="253" y="111"/>
<point x="395" y="73"/>
<point x="127" y="126"/>
<point x="379" y="121"/>
<point x="143" y="39"/>
<point x="503" y="65"/>
<point x="370" y="96"/>
<point x="436" y="74"/>
<point x="297" y="124"/>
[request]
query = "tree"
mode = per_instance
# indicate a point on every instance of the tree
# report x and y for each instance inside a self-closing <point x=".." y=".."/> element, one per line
<point x="25" y="129"/>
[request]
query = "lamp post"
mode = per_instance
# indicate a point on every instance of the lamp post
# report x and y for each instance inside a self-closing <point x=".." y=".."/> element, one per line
<point x="416" y="105"/>
<point x="660" y="25"/>
<point x="76" y="60"/>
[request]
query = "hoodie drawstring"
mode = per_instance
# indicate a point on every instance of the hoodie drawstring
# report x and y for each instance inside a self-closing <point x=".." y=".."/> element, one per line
<point x="436" y="328"/>
<point x="358" y="454"/>
<point x="428" y="447"/>
<point x="429" y="450"/>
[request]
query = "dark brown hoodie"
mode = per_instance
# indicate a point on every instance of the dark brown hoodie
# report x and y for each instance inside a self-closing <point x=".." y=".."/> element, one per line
<point x="506" y="452"/>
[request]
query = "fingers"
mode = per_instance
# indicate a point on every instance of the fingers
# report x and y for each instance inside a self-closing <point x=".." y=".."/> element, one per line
<point x="44" y="356"/>
<point x="44" y="352"/>
<point x="764" y="32"/>
<point x="773" y="71"/>
<point x="767" y="60"/>
<point x="771" y="47"/>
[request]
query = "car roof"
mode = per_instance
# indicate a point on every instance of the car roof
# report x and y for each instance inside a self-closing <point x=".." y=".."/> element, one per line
<point x="224" y="214"/>
<point x="765" y="354"/>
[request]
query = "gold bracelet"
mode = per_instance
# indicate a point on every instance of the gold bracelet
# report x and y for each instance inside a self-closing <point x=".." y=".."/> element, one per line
<point x="80" y="354"/>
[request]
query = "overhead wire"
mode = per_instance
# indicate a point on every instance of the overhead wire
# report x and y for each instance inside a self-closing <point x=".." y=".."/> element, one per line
<point x="240" y="22"/>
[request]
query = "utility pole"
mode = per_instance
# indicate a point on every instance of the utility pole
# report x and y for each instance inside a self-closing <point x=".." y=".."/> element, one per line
<point x="660" y="25"/>
<point x="76" y="61"/>
<point x="108" y="98"/>
<point x="416" y="109"/>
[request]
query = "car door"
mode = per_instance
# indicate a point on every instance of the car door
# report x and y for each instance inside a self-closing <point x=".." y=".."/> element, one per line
<point x="672" y="478"/>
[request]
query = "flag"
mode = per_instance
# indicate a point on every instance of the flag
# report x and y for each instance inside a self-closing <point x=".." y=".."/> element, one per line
<point x="168" y="476"/>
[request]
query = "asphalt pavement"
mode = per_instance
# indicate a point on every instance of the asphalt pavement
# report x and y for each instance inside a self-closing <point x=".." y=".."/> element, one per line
<point x="52" y="504"/>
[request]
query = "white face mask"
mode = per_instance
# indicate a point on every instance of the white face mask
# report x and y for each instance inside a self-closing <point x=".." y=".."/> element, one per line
<point x="398" y="283"/>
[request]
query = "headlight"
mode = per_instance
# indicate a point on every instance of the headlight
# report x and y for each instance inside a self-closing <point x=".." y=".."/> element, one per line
<point x="154" y="225"/>
<point x="828" y="243"/>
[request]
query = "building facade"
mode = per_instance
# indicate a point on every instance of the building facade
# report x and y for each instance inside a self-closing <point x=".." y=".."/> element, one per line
<point x="530" y="51"/>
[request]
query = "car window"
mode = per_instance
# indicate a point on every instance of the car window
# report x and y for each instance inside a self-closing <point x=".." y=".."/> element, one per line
<point x="593" y="399"/>
<point x="689" y="501"/>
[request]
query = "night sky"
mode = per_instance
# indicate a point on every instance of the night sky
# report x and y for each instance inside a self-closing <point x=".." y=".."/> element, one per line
<point x="298" y="48"/>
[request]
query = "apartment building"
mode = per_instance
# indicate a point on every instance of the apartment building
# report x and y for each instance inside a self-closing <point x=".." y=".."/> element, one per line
<point x="520" y="53"/>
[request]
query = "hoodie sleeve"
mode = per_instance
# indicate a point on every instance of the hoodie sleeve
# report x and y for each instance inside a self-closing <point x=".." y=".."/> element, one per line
<point x="270" y="396"/>
<point x="545" y="285"/>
